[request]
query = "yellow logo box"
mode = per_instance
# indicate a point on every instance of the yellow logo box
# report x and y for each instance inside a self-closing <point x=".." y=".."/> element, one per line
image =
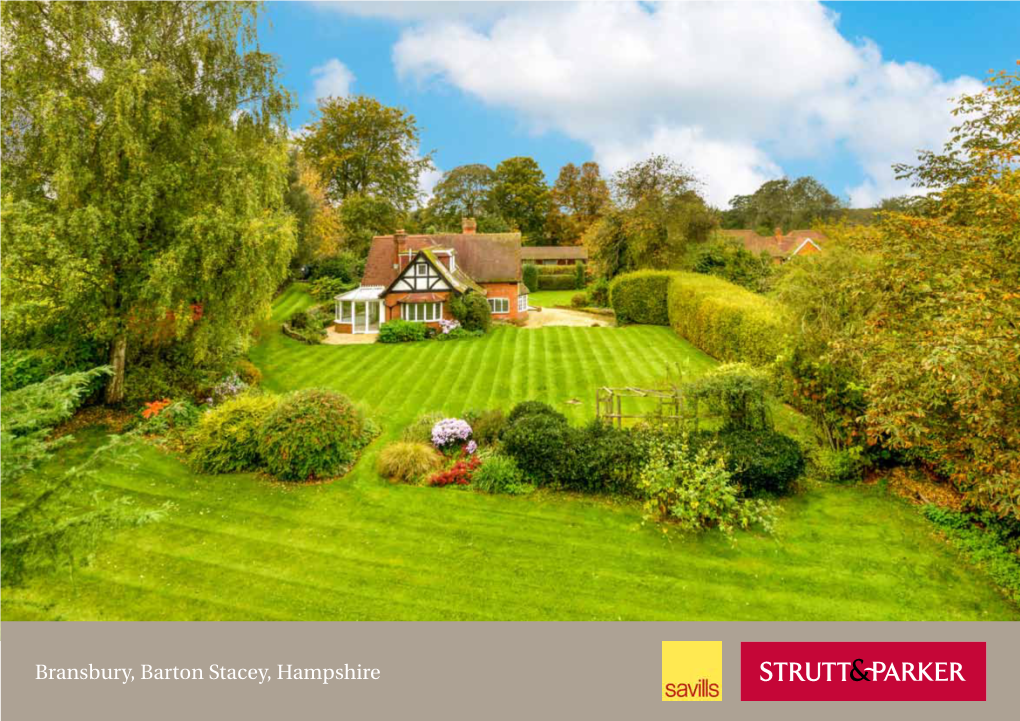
<point x="691" y="671"/>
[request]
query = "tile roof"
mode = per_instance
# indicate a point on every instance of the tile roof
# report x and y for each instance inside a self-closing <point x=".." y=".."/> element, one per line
<point x="554" y="252"/>
<point x="480" y="257"/>
<point x="780" y="246"/>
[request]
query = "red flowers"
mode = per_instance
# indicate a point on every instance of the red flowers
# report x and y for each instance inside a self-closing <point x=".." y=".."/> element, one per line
<point x="458" y="474"/>
<point x="153" y="408"/>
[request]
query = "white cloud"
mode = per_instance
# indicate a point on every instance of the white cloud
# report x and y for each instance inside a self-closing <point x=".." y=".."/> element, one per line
<point x="728" y="89"/>
<point x="427" y="183"/>
<point x="422" y="11"/>
<point x="332" y="78"/>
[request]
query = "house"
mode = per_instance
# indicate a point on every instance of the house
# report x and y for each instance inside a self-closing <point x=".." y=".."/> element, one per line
<point x="781" y="247"/>
<point x="554" y="254"/>
<point x="413" y="277"/>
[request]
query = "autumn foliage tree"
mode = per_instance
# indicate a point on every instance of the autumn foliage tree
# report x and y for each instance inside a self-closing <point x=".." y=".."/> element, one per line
<point x="144" y="168"/>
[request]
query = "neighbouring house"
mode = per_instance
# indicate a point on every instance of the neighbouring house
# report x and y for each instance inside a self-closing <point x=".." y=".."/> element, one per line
<point x="780" y="246"/>
<point x="554" y="254"/>
<point x="413" y="277"/>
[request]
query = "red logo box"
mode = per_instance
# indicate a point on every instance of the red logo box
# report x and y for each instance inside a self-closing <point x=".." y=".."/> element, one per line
<point x="867" y="671"/>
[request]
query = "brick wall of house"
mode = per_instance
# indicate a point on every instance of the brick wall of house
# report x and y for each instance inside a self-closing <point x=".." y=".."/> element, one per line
<point x="504" y="290"/>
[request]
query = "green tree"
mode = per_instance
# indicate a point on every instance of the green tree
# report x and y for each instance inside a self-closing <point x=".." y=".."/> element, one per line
<point x="144" y="169"/>
<point x="521" y="196"/>
<point x="363" y="216"/>
<point x="784" y="204"/>
<point x="50" y="516"/>
<point x="362" y="147"/>
<point x="461" y="193"/>
<point x="660" y="213"/>
<point x="579" y="197"/>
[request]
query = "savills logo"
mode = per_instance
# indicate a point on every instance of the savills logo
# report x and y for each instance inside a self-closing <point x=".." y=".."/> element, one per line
<point x="691" y="670"/>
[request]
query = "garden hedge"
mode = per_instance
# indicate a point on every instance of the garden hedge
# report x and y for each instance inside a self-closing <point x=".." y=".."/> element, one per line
<point x="551" y="281"/>
<point x="640" y="297"/>
<point x="726" y="321"/>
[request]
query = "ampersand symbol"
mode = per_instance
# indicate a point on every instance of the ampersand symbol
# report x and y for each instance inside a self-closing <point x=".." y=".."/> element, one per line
<point x="862" y="674"/>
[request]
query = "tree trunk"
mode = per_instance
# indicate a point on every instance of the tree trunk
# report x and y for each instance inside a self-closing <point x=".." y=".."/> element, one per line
<point x="115" y="385"/>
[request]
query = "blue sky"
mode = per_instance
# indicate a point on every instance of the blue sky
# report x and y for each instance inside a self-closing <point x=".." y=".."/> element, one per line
<point x="741" y="94"/>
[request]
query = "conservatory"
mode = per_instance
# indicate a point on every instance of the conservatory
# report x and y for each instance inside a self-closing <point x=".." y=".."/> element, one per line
<point x="362" y="308"/>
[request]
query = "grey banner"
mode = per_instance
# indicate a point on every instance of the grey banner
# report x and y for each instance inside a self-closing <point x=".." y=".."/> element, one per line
<point x="441" y="670"/>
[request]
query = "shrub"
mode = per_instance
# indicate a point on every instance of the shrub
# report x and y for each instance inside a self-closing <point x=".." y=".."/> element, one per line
<point x="530" y="277"/>
<point x="312" y="434"/>
<point x="580" y="276"/>
<point x="326" y="289"/>
<point x="695" y="492"/>
<point x="762" y="462"/>
<point x="20" y="368"/>
<point x="556" y="281"/>
<point x="533" y="408"/>
<point x="724" y="320"/>
<point x="226" y="438"/>
<point x="346" y="267"/>
<point x="449" y="432"/>
<point x="500" y="474"/>
<point x="401" y="331"/>
<point x="421" y="430"/>
<point x="598" y="293"/>
<point x="408" y="462"/>
<point x="579" y="300"/>
<point x="165" y="416"/>
<point x="248" y="372"/>
<point x="472" y="310"/>
<point x="459" y="334"/>
<point x="459" y="474"/>
<point x="735" y="392"/>
<point x="640" y="297"/>
<point x="982" y="545"/>
<point x="543" y="446"/>
<point x="840" y="466"/>
<point x="609" y="461"/>
<point x="486" y="425"/>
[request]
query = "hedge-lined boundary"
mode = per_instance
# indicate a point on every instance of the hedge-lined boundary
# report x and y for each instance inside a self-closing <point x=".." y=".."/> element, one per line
<point x="726" y="321"/>
<point x="640" y="297"/>
<point x="561" y="281"/>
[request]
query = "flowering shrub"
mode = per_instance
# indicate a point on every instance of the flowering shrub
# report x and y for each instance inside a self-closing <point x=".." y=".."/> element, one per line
<point x="457" y="475"/>
<point x="230" y="387"/>
<point x="470" y="448"/>
<point x="450" y="431"/>
<point x="695" y="492"/>
<point x="448" y="325"/>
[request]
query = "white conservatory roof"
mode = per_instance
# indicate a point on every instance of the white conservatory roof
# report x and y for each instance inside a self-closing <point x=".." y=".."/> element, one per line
<point x="363" y="292"/>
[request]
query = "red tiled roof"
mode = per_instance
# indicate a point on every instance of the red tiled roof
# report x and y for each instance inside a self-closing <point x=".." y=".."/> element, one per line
<point x="777" y="246"/>
<point x="485" y="257"/>
<point x="554" y="252"/>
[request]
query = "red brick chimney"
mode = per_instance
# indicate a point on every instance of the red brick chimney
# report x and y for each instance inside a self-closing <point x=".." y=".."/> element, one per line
<point x="468" y="226"/>
<point x="399" y="246"/>
<point x="779" y="235"/>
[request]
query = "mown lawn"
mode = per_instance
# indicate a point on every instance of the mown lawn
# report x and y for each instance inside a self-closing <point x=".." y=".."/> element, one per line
<point x="241" y="547"/>
<point x="550" y="298"/>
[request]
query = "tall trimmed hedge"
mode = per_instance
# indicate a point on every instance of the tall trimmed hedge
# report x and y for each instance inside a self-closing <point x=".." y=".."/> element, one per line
<point x="530" y="276"/>
<point x="552" y="281"/>
<point x="724" y="320"/>
<point x="640" y="297"/>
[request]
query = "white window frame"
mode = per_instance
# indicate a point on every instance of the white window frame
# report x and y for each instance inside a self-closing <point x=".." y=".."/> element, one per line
<point x="496" y="303"/>
<point x="522" y="302"/>
<point x="346" y="314"/>
<point x="420" y="312"/>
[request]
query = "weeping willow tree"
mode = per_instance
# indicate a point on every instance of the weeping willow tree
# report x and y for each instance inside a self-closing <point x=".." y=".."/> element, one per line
<point x="144" y="168"/>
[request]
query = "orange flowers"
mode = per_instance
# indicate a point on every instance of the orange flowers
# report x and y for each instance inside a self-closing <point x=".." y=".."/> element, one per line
<point x="153" y="408"/>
